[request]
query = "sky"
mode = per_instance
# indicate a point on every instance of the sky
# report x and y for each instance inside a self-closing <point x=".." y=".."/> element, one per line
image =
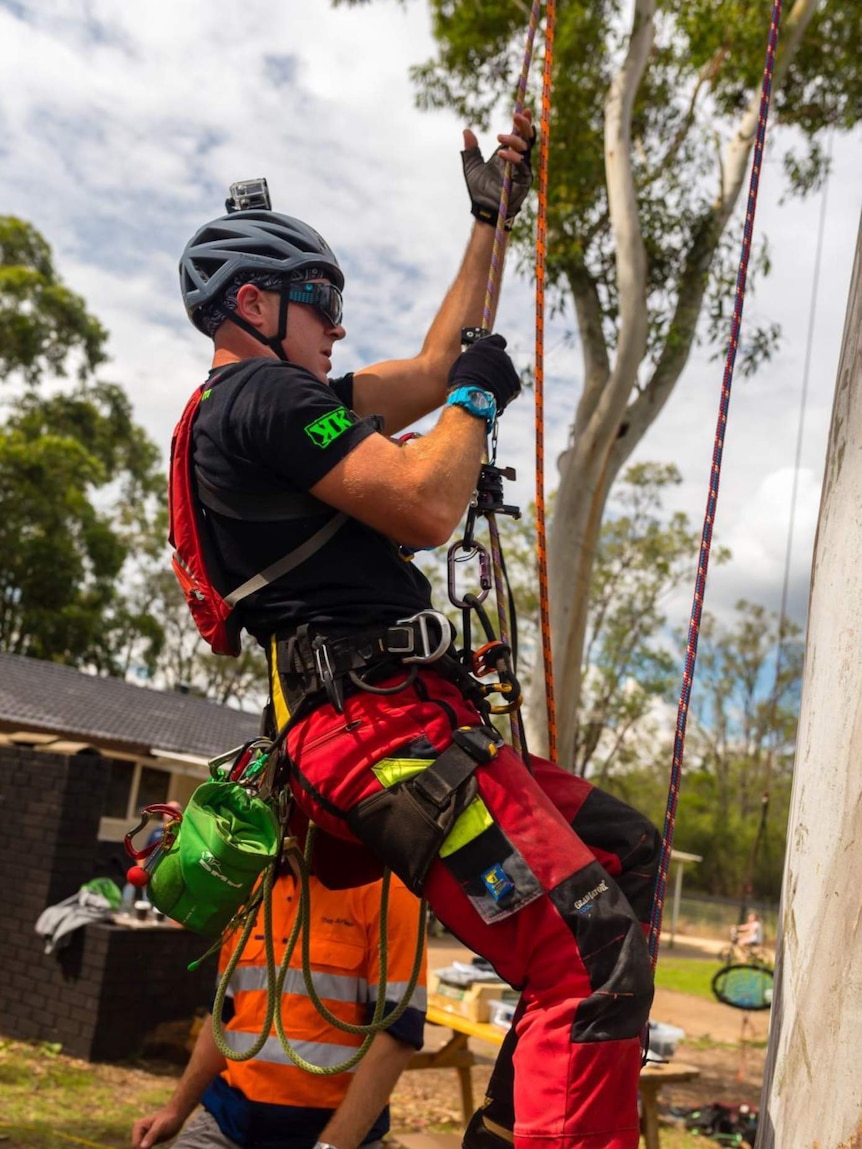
<point x="122" y="125"/>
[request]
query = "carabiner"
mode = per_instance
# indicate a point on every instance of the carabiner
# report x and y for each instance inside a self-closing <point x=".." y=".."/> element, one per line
<point x="485" y="582"/>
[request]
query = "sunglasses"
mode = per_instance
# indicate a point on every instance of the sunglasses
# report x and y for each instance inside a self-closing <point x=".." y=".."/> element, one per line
<point x="325" y="297"/>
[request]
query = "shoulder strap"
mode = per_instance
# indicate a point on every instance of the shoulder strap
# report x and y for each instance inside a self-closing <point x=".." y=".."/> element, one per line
<point x="289" y="561"/>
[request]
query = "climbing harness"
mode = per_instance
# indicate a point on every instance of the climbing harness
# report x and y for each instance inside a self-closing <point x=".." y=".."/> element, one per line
<point x="311" y="664"/>
<point x="712" y="498"/>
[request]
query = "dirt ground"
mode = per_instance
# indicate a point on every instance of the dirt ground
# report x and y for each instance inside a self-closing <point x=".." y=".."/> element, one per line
<point x="726" y="1045"/>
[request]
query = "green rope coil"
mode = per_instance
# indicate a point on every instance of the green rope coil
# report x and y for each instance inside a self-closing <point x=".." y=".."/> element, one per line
<point x="275" y="977"/>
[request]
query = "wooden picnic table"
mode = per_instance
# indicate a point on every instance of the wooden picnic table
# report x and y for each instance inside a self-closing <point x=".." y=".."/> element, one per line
<point x="456" y="1054"/>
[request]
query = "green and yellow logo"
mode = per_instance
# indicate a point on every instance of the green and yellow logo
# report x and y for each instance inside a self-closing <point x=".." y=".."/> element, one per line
<point x="326" y="430"/>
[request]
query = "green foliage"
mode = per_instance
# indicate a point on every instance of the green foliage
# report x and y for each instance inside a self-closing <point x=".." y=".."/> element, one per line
<point x="184" y="659"/>
<point x="77" y="480"/>
<point x="643" y="556"/>
<point x="44" y="327"/>
<point x="735" y="796"/>
<point x="704" y="69"/>
<point x="80" y="486"/>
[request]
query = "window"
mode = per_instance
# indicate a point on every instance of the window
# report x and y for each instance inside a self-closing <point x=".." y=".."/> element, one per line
<point x="119" y="789"/>
<point x="152" y="787"/>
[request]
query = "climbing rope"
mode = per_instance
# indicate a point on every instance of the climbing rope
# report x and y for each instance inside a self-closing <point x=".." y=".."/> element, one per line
<point x="496" y="269"/>
<point x="712" y="498"/>
<point x="541" y="250"/>
<point x="275" y="975"/>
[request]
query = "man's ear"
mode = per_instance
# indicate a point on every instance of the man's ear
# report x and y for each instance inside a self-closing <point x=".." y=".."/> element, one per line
<point x="251" y="305"/>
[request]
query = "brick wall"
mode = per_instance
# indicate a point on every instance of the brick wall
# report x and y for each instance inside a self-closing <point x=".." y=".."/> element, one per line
<point x="103" y="993"/>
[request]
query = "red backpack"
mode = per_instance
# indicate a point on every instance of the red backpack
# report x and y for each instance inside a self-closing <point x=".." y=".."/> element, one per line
<point x="194" y="556"/>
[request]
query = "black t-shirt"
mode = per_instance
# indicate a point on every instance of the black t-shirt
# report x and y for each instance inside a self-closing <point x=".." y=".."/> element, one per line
<point x="277" y="428"/>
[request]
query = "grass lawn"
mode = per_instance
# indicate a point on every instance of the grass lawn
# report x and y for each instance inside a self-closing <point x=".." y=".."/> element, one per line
<point x="51" y="1101"/>
<point x="55" y="1102"/>
<point x="686" y="975"/>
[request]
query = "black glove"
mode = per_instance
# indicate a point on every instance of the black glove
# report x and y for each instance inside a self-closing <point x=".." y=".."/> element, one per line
<point x="485" y="364"/>
<point x="485" y="183"/>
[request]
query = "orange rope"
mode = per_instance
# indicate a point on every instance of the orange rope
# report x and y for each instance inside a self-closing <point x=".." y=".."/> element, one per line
<point x="541" y="247"/>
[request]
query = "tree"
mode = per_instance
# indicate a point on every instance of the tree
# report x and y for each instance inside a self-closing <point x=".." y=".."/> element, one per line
<point x="80" y="483"/>
<point x="739" y="754"/>
<point x="78" y="480"/>
<point x="184" y="661"/>
<point x="43" y="325"/>
<point x="745" y="710"/>
<point x="653" y="120"/>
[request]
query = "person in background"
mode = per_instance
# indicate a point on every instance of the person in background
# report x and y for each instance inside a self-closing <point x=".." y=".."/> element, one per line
<point x="157" y="832"/>
<point x="268" y="1102"/>
<point x="750" y="933"/>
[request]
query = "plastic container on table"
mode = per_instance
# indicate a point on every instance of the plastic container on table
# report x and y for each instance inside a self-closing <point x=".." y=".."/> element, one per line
<point x="663" y="1039"/>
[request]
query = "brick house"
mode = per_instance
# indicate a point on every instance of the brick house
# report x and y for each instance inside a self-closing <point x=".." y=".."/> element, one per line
<point x="79" y="755"/>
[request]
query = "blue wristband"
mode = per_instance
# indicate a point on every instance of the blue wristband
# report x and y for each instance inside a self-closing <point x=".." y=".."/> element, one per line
<point x="475" y="401"/>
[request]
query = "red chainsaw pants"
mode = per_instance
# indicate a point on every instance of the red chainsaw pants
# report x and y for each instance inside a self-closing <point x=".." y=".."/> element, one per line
<point x="564" y="933"/>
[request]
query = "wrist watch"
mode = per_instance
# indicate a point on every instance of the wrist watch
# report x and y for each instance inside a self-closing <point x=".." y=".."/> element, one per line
<point x="323" y="1145"/>
<point x="475" y="401"/>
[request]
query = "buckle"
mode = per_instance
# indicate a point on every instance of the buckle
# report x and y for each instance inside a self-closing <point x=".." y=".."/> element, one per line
<point x="325" y="674"/>
<point x="392" y="646"/>
<point x="430" y="649"/>
<point x="480" y="742"/>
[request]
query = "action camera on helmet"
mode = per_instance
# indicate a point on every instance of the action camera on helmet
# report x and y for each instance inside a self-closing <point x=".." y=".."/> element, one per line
<point x="248" y="195"/>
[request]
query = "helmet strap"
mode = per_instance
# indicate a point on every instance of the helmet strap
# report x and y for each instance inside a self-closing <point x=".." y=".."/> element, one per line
<point x="274" y="342"/>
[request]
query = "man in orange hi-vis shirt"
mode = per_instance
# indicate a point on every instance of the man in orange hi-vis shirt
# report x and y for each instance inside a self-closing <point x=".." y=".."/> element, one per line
<point x="268" y="1102"/>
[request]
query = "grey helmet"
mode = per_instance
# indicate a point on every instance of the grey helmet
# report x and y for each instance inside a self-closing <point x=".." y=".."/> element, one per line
<point x="249" y="241"/>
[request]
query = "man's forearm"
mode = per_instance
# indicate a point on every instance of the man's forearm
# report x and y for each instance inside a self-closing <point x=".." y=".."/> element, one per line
<point x="464" y="303"/>
<point x="403" y="390"/>
<point x="368" y="1093"/>
<point x="204" y="1064"/>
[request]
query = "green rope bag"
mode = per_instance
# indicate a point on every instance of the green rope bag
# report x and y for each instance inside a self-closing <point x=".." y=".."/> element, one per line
<point x="275" y="979"/>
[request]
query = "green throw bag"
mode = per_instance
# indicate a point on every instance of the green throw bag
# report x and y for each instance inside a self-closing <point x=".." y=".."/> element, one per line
<point x="205" y="875"/>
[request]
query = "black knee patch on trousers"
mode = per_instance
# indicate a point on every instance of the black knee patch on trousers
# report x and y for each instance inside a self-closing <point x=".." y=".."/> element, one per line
<point x="614" y="953"/>
<point x="622" y="830"/>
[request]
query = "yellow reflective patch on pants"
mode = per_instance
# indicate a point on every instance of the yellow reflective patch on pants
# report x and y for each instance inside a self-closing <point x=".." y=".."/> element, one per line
<point x="469" y="825"/>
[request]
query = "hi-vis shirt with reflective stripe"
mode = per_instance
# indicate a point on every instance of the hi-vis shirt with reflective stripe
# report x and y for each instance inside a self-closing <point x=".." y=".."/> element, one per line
<point x="344" y="959"/>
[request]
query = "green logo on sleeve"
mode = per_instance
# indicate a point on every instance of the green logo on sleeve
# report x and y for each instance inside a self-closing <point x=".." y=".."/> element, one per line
<point x="326" y="430"/>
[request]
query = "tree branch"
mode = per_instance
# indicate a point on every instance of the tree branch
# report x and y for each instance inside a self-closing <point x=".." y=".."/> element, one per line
<point x="707" y="235"/>
<point x="630" y="256"/>
<point x="706" y="75"/>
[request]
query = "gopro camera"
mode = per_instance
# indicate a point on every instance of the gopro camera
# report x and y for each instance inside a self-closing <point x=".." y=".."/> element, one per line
<point x="248" y="195"/>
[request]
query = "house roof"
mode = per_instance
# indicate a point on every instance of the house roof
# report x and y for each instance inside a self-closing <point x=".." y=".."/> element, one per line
<point x="46" y="698"/>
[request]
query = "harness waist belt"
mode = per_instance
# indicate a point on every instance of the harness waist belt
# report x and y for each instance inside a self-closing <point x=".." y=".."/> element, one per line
<point x="309" y="663"/>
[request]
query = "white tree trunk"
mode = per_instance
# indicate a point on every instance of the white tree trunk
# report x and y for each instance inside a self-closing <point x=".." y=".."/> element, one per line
<point x="813" y="1087"/>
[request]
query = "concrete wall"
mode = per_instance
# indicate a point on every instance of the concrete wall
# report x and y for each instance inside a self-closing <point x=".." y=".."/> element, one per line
<point x="101" y="995"/>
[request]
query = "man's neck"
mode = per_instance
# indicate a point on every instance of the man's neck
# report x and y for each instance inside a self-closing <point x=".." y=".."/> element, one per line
<point x="234" y="346"/>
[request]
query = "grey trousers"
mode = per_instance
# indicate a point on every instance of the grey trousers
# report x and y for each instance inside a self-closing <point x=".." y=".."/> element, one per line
<point x="202" y="1132"/>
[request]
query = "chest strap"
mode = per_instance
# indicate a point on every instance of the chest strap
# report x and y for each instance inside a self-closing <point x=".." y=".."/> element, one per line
<point x="289" y="561"/>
